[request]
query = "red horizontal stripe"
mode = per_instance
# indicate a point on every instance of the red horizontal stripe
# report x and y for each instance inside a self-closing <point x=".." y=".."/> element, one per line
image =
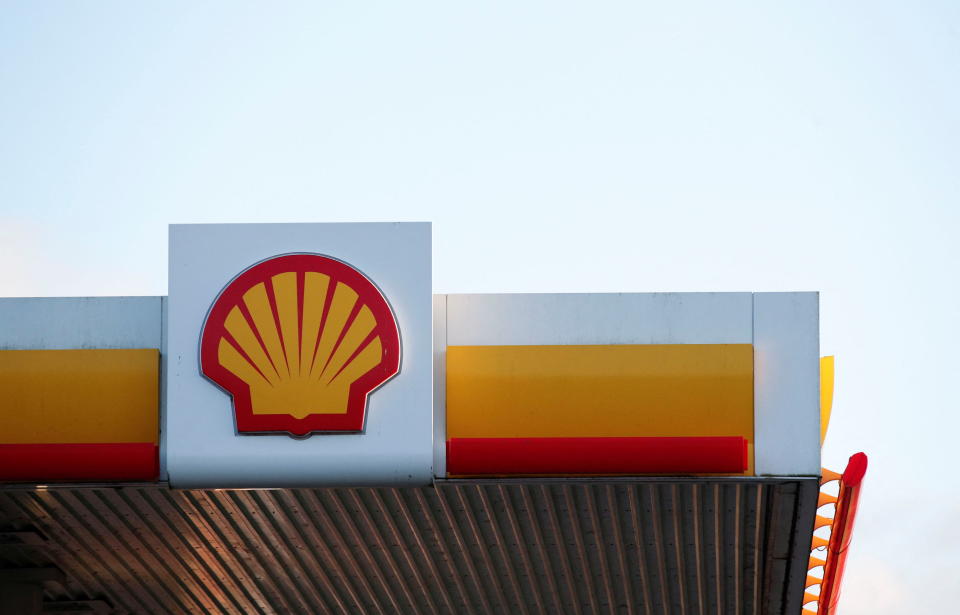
<point x="129" y="461"/>
<point x="690" y="455"/>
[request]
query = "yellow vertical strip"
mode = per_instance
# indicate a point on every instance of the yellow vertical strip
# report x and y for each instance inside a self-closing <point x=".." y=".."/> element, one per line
<point x="259" y="306"/>
<point x="344" y="298"/>
<point x="826" y="394"/>
<point x="285" y="294"/>
<point x="314" y="297"/>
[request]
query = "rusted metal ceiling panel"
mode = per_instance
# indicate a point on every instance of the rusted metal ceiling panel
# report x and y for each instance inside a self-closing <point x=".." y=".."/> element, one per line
<point x="531" y="547"/>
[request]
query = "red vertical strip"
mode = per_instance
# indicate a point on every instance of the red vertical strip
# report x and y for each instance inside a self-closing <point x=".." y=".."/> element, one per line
<point x="841" y="533"/>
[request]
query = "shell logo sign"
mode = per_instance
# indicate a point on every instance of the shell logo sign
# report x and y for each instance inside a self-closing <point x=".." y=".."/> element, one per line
<point x="299" y="341"/>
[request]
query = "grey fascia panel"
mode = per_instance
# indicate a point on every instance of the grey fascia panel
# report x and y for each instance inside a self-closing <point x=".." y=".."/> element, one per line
<point x="51" y="323"/>
<point x="599" y="318"/>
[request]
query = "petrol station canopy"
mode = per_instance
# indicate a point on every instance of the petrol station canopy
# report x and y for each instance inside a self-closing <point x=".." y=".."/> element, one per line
<point x="302" y="426"/>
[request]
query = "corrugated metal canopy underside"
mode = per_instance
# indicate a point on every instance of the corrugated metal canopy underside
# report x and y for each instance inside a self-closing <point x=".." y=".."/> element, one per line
<point x="646" y="546"/>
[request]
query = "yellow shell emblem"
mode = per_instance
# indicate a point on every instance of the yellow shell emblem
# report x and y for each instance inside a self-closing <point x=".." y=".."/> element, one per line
<point x="300" y="341"/>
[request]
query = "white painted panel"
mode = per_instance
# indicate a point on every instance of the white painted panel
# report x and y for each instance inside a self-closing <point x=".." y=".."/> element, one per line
<point x="51" y="323"/>
<point x="203" y="449"/>
<point x="163" y="391"/>
<point x="440" y="385"/>
<point x="786" y="350"/>
<point x="610" y="318"/>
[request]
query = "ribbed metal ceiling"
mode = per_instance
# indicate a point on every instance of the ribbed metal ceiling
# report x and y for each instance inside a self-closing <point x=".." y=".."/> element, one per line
<point x="591" y="546"/>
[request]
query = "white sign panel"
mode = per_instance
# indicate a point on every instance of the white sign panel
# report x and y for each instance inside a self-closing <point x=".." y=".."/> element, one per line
<point x="299" y="355"/>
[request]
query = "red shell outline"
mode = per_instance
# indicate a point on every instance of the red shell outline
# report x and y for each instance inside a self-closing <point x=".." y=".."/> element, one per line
<point x="339" y="271"/>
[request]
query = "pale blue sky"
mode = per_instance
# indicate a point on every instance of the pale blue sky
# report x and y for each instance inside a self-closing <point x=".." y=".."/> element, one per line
<point x="556" y="147"/>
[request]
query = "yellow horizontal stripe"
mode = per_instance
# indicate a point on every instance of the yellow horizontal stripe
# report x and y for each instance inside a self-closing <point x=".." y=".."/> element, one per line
<point x="600" y="391"/>
<point x="79" y="396"/>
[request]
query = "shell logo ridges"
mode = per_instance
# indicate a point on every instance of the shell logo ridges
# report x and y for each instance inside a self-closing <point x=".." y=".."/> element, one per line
<point x="300" y="341"/>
